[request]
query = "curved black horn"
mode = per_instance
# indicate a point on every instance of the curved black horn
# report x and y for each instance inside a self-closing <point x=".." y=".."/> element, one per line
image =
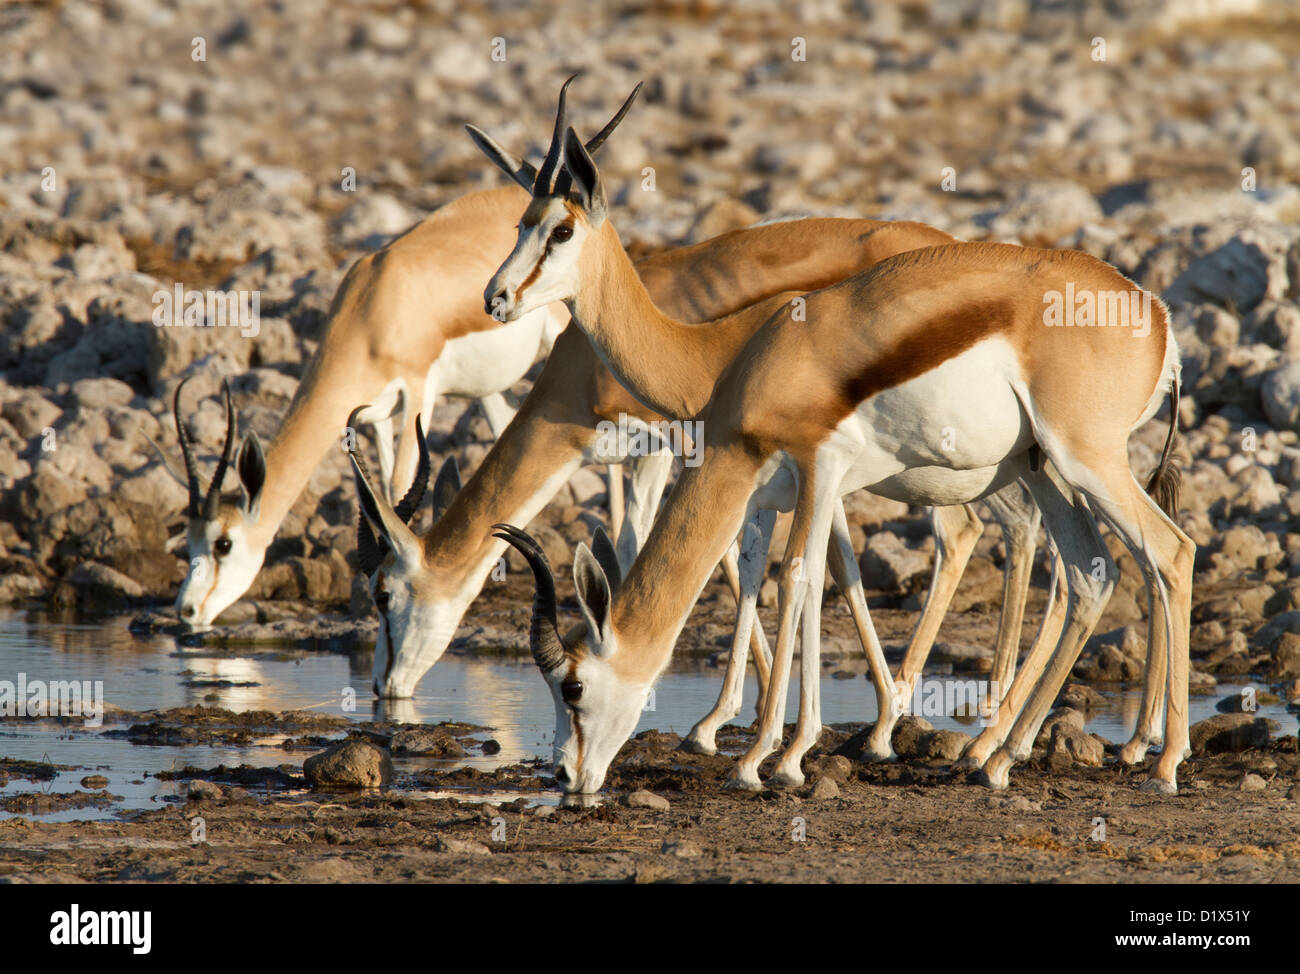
<point x="544" y="636"/>
<point x="597" y="140"/>
<point x="213" y="499"/>
<point x="551" y="165"/>
<point x="370" y="550"/>
<point x="187" y="451"/>
<point x="409" y="504"/>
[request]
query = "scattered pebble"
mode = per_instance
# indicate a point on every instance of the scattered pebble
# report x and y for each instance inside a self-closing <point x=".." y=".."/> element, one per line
<point x="647" y="799"/>
<point x="682" y="849"/>
<point x="201" y="790"/>
<point x="462" y="847"/>
<point x="824" y="789"/>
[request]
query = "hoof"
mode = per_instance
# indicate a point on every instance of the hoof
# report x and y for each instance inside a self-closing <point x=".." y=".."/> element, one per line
<point x="878" y="755"/>
<point x="573" y="799"/>
<point x="742" y="780"/>
<point x="967" y="762"/>
<point x="785" y="778"/>
<point x="1133" y="752"/>
<point x="996" y="772"/>
<point x="982" y="778"/>
<point x="1158" y="786"/>
<point x="693" y="746"/>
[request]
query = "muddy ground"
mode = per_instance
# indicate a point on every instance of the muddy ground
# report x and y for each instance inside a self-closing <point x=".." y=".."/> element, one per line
<point x="909" y="822"/>
<point x="1236" y="819"/>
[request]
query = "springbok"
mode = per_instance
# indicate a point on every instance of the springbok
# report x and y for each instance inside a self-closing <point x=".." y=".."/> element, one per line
<point x="426" y="588"/>
<point x="427" y="584"/>
<point x="933" y="378"/>
<point x="679" y="386"/>
<point x="405" y="326"/>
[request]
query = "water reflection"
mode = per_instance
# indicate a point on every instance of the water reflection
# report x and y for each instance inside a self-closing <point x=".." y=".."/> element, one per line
<point x="505" y="695"/>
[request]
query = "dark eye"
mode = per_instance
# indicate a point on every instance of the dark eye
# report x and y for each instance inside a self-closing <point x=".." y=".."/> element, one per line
<point x="222" y="547"/>
<point x="381" y="601"/>
<point x="562" y="233"/>
<point x="571" y="691"/>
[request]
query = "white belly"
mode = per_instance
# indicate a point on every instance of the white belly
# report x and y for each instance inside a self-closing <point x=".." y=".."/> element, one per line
<point x="946" y="437"/>
<point x="484" y="362"/>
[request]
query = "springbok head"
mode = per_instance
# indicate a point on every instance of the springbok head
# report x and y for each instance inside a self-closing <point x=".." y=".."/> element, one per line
<point x="224" y="552"/>
<point x="568" y="206"/>
<point x="596" y="705"/>
<point x="416" y="624"/>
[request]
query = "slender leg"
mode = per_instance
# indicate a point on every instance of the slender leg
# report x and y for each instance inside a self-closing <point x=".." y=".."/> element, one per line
<point x="809" y="725"/>
<point x="649" y="478"/>
<point x="614" y="472"/>
<point x="790" y="603"/>
<point x="844" y="569"/>
<point x="757" y="639"/>
<point x="498" y="412"/>
<point x="956" y="530"/>
<point x="1049" y="632"/>
<point x="1148" y="731"/>
<point x="752" y="567"/>
<point x="1165" y="555"/>
<point x="1014" y="509"/>
<point x="1089" y="581"/>
<point x="386" y="415"/>
<point x="649" y="481"/>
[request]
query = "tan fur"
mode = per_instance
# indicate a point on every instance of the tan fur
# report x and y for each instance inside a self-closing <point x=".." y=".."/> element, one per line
<point x="575" y="390"/>
<point x="796" y="380"/>
<point x="391" y="317"/>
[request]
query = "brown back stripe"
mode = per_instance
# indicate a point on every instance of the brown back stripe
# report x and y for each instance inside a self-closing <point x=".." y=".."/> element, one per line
<point x="928" y="345"/>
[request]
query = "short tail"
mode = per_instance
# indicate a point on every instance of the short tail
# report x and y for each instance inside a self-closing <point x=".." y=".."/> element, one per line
<point x="1166" y="480"/>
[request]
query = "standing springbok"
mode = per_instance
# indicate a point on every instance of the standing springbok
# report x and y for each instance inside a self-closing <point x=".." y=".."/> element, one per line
<point x="406" y="326"/>
<point x="427" y="584"/>
<point x="689" y="364"/>
<point x="934" y="378"/>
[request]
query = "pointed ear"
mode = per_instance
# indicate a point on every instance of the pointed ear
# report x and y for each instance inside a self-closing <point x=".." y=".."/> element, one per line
<point x="603" y="549"/>
<point x="446" y="487"/>
<point x="251" y="465"/>
<point x="594" y="597"/>
<point x="586" y="178"/>
<point x="521" y="172"/>
<point x="383" y="520"/>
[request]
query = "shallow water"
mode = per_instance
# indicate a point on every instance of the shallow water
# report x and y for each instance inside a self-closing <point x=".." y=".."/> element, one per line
<point x="504" y="693"/>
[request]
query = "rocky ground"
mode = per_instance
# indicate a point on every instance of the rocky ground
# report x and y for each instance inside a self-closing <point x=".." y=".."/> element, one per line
<point x="667" y="818"/>
<point x="165" y="169"/>
<point x="1172" y="150"/>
